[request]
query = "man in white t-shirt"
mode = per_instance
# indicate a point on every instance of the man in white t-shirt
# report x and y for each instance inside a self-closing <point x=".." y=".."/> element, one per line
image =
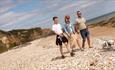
<point x="60" y="38"/>
<point x="81" y="25"/>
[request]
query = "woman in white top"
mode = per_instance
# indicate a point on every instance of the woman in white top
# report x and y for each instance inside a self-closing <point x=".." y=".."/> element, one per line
<point x="81" y="25"/>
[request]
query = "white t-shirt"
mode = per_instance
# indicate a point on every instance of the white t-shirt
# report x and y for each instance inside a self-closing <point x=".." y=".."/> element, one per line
<point x="81" y="23"/>
<point x="57" y="29"/>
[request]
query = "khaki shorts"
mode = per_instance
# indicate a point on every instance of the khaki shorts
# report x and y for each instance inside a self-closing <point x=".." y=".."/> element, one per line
<point x="72" y="39"/>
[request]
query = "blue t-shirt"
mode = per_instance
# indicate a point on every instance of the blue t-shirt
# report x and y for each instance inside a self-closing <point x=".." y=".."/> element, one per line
<point x="69" y="28"/>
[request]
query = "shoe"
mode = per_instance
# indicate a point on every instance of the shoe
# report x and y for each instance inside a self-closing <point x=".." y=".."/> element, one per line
<point x="90" y="47"/>
<point x="62" y="56"/>
<point x="72" y="54"/>
<point x="81" y="49"/>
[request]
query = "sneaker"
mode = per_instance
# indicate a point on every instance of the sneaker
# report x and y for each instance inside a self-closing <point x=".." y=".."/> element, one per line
<point x="90" y="47"/>
<point x="72" y="54"/>
<point x="62" y="56"/>
<point x="81" y="49"/>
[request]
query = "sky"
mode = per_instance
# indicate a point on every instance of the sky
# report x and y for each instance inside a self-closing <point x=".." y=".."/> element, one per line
<point x="22" y="14"/>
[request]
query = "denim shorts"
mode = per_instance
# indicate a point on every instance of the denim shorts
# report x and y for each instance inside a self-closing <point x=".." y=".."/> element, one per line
<point x="84" y="33"/>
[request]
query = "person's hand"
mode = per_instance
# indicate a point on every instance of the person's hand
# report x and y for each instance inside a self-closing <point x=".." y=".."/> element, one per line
<point x="87" y="27"/>
<point x="78" y="33"/>
<point x="73" y="32"/>
<point x="61" y="34"/>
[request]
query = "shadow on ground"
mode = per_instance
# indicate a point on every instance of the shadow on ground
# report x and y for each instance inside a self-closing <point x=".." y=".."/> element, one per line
<point x="107" y="49"/>
<point x="59" y="57"/>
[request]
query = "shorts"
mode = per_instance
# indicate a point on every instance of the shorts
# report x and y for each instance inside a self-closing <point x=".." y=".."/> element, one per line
<point x="61" y="39"/>
<point x="84" y="33"/>
<point x="72" y="39"/>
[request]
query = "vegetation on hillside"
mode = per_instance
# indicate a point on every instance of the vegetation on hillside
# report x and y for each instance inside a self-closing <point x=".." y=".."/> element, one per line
<point x="17" y="37"/>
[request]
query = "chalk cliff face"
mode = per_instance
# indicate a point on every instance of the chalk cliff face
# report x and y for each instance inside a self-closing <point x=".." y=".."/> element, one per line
<point x="17" y="37"/>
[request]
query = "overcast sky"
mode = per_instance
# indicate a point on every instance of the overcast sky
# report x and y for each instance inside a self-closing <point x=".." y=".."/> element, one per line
<point x="15" y="14"/>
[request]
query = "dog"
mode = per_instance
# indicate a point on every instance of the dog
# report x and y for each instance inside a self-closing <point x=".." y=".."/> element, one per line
<point x="108" y="43"/>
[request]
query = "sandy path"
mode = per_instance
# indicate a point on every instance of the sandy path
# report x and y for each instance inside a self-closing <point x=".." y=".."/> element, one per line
<point x="102" y="31"/>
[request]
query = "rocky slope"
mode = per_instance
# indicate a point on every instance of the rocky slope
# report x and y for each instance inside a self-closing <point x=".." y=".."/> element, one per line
<point x="13" y="38"/>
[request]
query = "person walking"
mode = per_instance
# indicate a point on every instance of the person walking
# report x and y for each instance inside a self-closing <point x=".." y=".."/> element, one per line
<point x="70" y="31"/>
<point x="60" y="38"/>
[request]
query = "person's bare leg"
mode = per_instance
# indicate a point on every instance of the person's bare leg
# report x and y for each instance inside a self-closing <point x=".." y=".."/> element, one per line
<point x="66" y="45"/>
<point x="61" y="51"/>
<point x="83" y="43"/>
<point x="71" y="52"/>
<point x="78" y="43"/>
<point x="88" y="41"/>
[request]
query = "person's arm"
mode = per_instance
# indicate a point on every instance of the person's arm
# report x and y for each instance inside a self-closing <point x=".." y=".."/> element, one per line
<point x="62" y="31"/>
<point x="65" y="30"/>
<point x="53" y="29"/>
<point x="76" y="27"/>
<point x="58" y="33"/>
<point x="73" y="29"/>
<point x="67" y="33"/>
<point x="86" y="24"/>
